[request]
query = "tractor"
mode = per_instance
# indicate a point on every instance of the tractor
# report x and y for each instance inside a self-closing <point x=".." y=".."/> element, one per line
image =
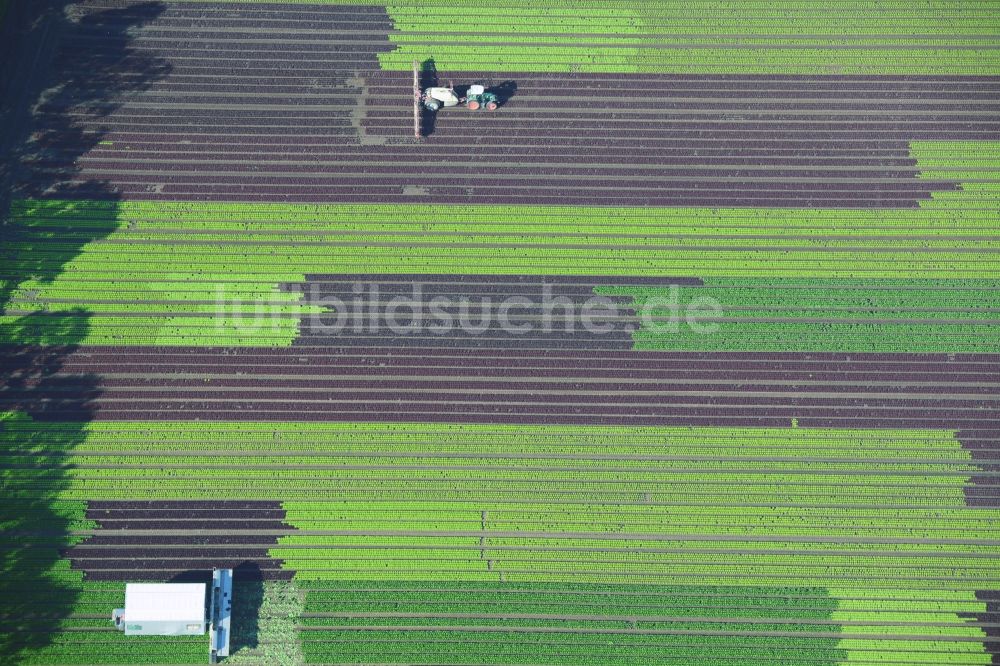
<point x="435" y="98"/>
<point x="475" y="99"/>
<point x="479" y="98"/>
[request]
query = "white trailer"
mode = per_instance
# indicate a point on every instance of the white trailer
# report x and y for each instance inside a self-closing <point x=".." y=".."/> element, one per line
<point x="162" y="609"/>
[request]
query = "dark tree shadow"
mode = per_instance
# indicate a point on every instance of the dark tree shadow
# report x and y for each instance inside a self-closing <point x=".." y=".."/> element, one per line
<point x="52" y="90"/>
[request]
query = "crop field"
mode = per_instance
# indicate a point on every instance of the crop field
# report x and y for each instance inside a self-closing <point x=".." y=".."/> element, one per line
<point x="686" y="355"/>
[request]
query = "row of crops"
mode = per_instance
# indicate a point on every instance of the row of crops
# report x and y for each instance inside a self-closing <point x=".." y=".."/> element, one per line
<point x="817" y="315"/>
<point x="604" y="624"/>
<point x="219" y="273"/>
<point x="452" y="623"/>
<point x="700" y="37"/>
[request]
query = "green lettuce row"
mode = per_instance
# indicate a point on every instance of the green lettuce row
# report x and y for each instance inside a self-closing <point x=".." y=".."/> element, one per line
<point x="161" y="246"/>
<point x="850" y="316"/>
<point x="734" y="59"/>
<point x="722" y="37"/>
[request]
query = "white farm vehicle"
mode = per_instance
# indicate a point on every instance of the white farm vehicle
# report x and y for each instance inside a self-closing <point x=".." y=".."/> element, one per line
<point x="435" y="98"/>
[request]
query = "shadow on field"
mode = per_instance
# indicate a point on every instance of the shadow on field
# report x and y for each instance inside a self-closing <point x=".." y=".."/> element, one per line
<point x="50" y="80"/>
<point x="248" y="597"/>
<point x="428" y="79"/>
<point x="504" y="91"/>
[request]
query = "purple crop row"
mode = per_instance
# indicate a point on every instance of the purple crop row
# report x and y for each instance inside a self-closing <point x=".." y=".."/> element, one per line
<point x="431" y="174"/>
<point x="110" y="557"/>
<point x="100" y="43"/>
<point x="190" y="523"/>
<point x="73" y="62"/>
<point x="166" y="34"/>
<point x="518" y="125"/>
<point x="117" y="506"/>
<point x="857" y="374"/>
<point x="776" y="360"/>
<point x="485" y="387"/>
<point x="335" y="135"/>
<point x="130" y="570"/>
<point x="834" y="417"/>
<point x="439" y="152"/>
<point x="267" y="80"/>
<point x="748" y="142"/>
<point x="90" y="557"/>
<point x="128" y="516"/>
<point x="183" y="539"/>
<point x="320" y="195"/>
<point x="596" y="157"/>
<point x="419" y="396"/>
<point x="308" y="115"/>
<point x="412" y="398"/>
<point x="474" y="185"/>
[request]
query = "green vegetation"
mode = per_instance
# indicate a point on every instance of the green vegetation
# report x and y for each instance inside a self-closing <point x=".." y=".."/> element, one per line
<point x="266" y="617"/>
<point x="821" y="315"/>
<point x="957" y="160"/>
<point x="73" y="260"/>
<point x="507" y="623"/>
<point x="725" y="507"/>
<point x="620" y="482"/>
<point x="698" y="37"/>
<point x="495" y="622"/>
<point x="295" y="461"/>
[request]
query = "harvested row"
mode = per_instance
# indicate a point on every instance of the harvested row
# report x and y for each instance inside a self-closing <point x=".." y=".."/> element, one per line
<point x="107" y="557"/>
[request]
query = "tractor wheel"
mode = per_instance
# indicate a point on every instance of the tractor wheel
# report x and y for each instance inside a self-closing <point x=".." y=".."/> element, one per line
<point x="491" y="106"/>
<point x="473" y="106"/>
